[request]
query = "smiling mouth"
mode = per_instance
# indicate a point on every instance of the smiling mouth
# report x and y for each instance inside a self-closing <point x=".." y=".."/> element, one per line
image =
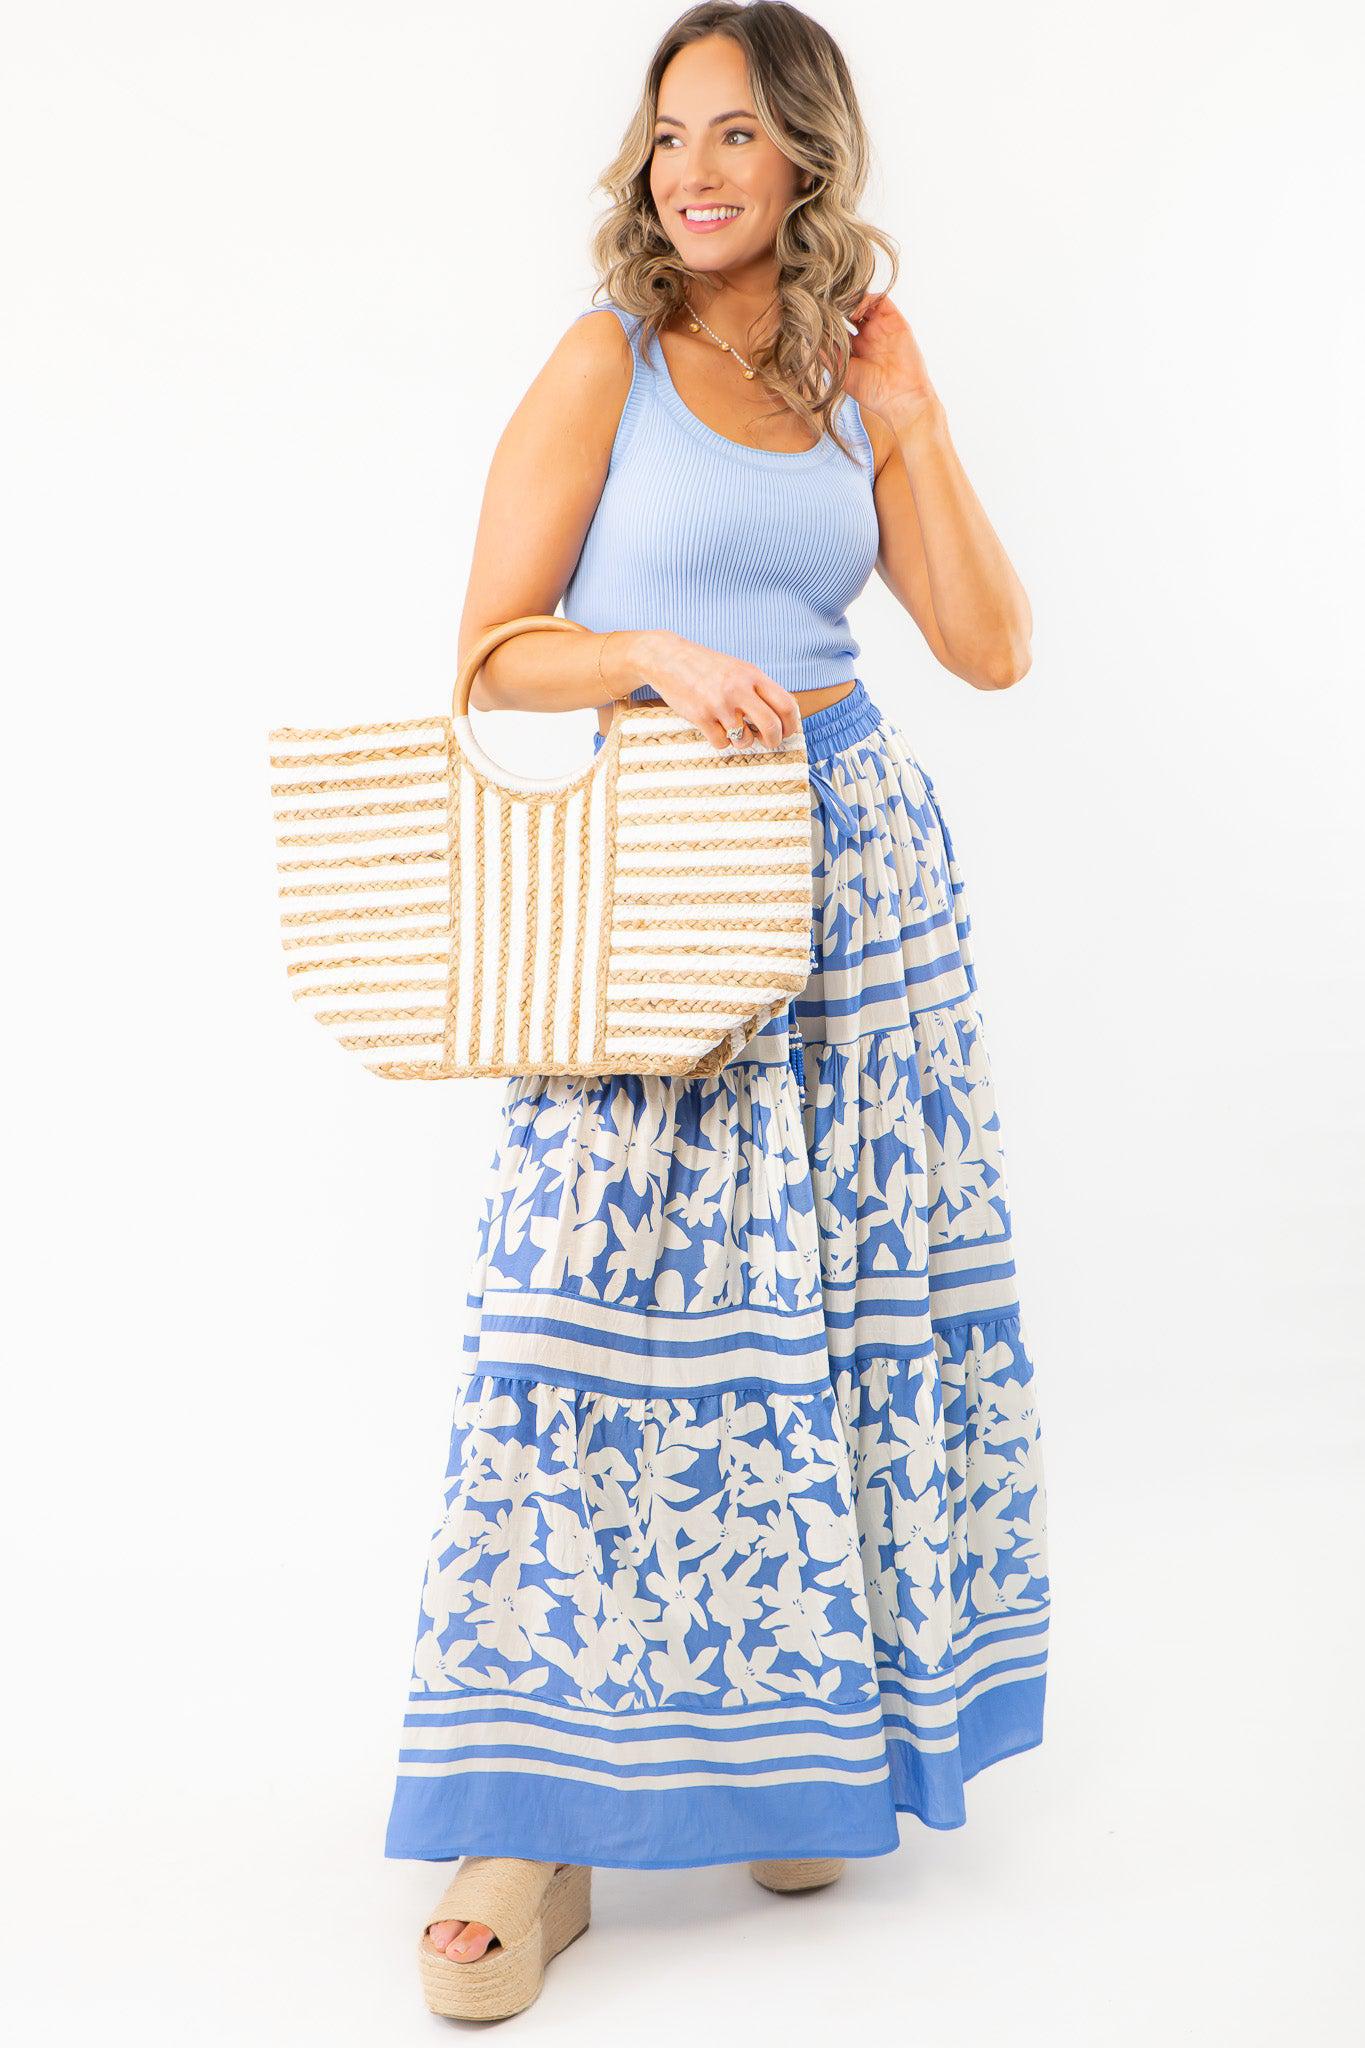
<point x="707" y="214"/>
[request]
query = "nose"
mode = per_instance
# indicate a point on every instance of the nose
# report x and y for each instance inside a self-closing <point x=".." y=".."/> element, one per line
<point x="698" y="172"/>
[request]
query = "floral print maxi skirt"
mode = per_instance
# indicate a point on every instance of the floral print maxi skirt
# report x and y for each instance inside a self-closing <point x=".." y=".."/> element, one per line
<point x="743" y="1549"/>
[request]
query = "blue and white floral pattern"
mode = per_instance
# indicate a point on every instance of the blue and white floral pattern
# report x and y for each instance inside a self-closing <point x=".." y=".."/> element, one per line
<point x="744" y="1543"/>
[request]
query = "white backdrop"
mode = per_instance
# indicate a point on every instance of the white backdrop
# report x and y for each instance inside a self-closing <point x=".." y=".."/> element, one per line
<point x="276" y="276"/>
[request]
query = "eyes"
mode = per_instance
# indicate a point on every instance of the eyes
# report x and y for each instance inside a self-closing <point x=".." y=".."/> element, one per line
<point x="746" y="133"/>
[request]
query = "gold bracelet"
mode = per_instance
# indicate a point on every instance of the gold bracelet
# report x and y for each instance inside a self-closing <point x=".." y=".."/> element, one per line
<point x="601" y="650"/>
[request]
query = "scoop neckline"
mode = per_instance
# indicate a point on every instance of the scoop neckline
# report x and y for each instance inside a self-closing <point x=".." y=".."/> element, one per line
<point x="762" y="458"/>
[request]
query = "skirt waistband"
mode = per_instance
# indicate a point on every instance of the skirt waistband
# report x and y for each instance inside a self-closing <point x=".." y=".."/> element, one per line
<point x="838" y="725"/>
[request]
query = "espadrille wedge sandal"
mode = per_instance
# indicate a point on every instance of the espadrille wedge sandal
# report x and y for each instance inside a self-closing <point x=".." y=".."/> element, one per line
<point x="533" y="1909"/>
<point x="807" y="1875"/>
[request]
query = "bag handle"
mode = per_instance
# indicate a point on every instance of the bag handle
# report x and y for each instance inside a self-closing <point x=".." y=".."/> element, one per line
<point x="532" y="622"/>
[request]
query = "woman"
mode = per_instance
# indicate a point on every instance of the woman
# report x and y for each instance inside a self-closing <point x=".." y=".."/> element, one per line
<point x="744" y="1549"/>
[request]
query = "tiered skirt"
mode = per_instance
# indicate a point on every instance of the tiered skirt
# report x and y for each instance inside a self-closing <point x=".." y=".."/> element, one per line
<point x="743" y="1549"/>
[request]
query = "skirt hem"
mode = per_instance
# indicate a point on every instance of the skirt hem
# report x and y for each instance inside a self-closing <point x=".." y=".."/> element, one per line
<point x="551" y="1837"/>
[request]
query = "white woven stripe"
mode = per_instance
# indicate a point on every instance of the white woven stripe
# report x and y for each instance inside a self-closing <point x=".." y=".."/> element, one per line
<point x="759" y="837"/>
<point x="358" y="887"/>
<point x="761" y="861"/>
<point x="573" y="925"/>
<point x="334" y="740"/>
<point x="662" y="721"/>
<point x="668" y="741"/>
<point x="677" y="1048"/>
<point x="787" y="787"/>
<point x="789" y="792"/>
<point x="638" y="949"/>
<point x="729" y="900"/>
<point x="721" y="998"/>
<point x="539" y="1028"/>
<point x="312" y="852"/>
<point x="644" y="766"/>
<point x="792" y="891"/>
<point x="693" y="918"/>
<point x="340" y="979"/>
<point x="490" y="930"/>
<point x="670" y="1041"/>
<point x="593" y="919"/>
<point x="366" y="896"/>
<point x="468" y="913"/>
<point x="520" y="888"/>
<point x="636" y="935"/>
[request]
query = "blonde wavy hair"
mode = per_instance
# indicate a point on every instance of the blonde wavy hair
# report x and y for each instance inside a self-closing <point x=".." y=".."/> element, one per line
<point x="804" y="97"/>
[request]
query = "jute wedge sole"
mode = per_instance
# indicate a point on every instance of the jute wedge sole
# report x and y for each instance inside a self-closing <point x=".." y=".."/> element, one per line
<point x="534" y="1910"/>
<point x="804" y="1875"/>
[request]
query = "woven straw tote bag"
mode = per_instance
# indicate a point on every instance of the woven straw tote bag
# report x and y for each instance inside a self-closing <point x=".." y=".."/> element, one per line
<point x="445" y="918"/>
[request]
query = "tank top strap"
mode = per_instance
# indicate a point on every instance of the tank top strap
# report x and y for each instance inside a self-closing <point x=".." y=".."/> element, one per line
<point x="848" y="411"/>
<point x="631" y="322"/>
<point x="756" y="552"/>
<point x="641" y="385"/>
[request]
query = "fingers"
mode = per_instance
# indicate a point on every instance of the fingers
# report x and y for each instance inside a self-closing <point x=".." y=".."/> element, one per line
<point x="767" y="711"/>
<point x="782" y="702"/>
<point x="751" y="704"/>
<point x="718" y="731"/>
<point x="758" y="727"/>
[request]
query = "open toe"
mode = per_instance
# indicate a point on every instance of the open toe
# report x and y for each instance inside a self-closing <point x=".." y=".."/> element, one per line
<point x="471" y="1939"/>
<point x="531" y="1910"/>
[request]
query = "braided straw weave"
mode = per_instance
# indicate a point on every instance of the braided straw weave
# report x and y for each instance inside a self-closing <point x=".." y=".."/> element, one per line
<point x="442" y="917"/>
<point x="532" y="1910"/>
<point x="804" y="1874"/>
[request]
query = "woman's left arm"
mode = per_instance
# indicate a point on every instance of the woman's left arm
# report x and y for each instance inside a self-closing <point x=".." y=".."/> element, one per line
<point x="938" y="553"/>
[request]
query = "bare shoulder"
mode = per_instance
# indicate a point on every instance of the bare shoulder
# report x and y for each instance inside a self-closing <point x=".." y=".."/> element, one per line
<point x="576" y="398"/>
<point x="547" y="473"/>
<point x="594" y="347"/>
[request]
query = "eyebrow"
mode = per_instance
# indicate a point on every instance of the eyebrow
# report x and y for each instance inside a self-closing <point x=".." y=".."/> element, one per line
<point x="735" y="114"/>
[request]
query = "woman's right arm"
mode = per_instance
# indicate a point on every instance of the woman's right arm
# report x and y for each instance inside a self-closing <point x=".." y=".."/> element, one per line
<point x="543" y="486"/>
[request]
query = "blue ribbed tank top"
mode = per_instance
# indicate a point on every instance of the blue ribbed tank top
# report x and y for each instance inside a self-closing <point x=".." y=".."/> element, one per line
<point x="751" y="551"/>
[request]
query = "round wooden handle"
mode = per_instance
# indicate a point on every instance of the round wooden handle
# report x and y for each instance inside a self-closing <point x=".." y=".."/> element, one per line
<point x="533" y="622"/>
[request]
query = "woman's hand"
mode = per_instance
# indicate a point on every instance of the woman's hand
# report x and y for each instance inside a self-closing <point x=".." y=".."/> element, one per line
<point x="713" y="691"/>
<point x="886" y="371"/>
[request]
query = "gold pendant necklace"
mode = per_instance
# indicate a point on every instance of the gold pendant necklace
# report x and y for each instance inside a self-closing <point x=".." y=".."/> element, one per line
<point x="728" y="346"/>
